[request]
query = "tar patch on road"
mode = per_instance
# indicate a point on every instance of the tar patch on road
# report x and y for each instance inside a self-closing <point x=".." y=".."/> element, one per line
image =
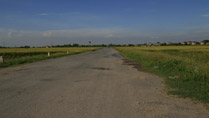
<point x="22" y="69"/>
<point x="4" y="73"/>
<point x="115" y="56"/>
<point x="48" y="80"/>
<point x="101" y="68"/>
<point x="80" y="81"/>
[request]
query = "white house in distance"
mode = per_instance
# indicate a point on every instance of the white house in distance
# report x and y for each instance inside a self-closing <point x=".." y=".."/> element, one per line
<point x="194" y="43"/>
<point x="202" y="43"/>
<point x="169" y="43"/>
<point x="189" y="42"/>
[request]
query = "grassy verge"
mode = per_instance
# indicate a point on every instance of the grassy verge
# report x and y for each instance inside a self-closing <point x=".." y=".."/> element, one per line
<point x="186" y="69"/>
<point x="14" y="57"/>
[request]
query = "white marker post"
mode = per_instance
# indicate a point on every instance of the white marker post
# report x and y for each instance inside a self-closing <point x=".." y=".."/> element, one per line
<point x="1" y="59"/>
<point x="49" y="54"/>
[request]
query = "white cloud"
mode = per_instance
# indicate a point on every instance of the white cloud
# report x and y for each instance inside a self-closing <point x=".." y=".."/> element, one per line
<point x="97" y="36"/>
<point x="9" y="34"/>
<point x="75" y="13"/>
<point x="59" y="14"/>
<point x="94" y="33"/>
<point x="47" y="34"/>
<point x="19" y="35"/>
<point x="43" y="14"/>
<point x="205" y="15"/>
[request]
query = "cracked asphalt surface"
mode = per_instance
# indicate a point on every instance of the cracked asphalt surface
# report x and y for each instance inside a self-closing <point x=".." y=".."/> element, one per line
<point x="95" y="84"/>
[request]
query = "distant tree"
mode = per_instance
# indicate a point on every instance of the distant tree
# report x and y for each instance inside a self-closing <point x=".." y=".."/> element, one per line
<point x="158" y="43"/>
<point x="110" y="45"/>
<point x="206" y="41"/>
<point x="131" y="45"/>
<point x="163" y="44"/>
<point x="103" y="45"/>
<point x="67" y="45"/>
<point x="75" y="45"/>
<point x="25" y="46"/>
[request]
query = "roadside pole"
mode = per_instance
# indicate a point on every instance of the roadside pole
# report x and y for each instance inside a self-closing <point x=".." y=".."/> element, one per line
<point x="49" y="54"/>
<point x="1" y="59"/>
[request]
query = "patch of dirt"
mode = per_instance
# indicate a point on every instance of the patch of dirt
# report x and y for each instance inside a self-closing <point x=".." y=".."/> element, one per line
<point x="135" y="65"/>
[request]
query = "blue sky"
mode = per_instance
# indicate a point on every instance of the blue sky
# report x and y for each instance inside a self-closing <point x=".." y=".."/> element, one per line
<point x="43" y="22"/>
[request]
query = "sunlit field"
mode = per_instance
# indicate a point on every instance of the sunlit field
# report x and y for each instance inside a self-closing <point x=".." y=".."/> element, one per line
<point x="16" y="56"/>
<point x="186" y="68"/>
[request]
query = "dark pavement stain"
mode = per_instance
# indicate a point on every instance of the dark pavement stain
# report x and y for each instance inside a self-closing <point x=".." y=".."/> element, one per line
<point x="80" y="80"/>
<point x="101" y="68"/>
<point x="48" y="80"/>
<point x="115" y="56"/>
<point x="5" y="73"/>
<point x="22" y="69"/>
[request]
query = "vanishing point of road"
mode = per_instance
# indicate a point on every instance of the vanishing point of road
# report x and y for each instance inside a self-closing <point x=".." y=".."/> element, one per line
<point x="98" y="84"/>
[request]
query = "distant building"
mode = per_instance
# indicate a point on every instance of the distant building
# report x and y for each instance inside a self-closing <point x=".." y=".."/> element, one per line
<point x="189" y="42"/>
<point x="194" y="43"/>
<point x="202" y="42"/>
<point x="169" y="43"/>
<point x="157" y="44"/>
<point x="183" y="43"/>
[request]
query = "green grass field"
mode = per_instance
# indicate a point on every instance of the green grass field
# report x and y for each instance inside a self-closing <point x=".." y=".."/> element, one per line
<point x="17" y="56"/>
<point x="185" y="68"/>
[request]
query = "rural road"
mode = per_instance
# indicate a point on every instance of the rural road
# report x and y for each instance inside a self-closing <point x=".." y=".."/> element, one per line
<point x="95" y="84"/>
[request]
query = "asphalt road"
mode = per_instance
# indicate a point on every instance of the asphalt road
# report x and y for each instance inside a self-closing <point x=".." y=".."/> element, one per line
<point x="97" y="84"/>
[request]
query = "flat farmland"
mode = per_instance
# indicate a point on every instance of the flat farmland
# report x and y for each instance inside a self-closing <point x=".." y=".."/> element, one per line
<point x="185" y="68"/>
<point x="17" y="56"/>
